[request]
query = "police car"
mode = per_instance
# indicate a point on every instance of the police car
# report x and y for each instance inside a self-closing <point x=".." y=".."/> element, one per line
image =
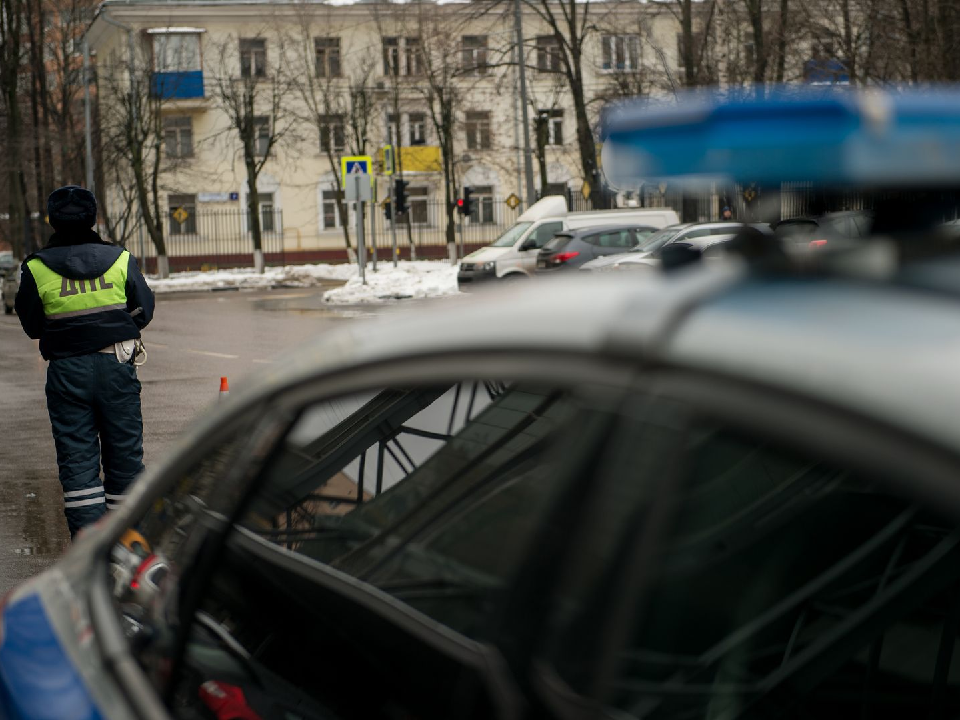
<point x="728" y="492"/>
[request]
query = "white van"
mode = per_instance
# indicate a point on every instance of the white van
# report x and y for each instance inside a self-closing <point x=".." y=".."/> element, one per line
<point x="514" y="254"/>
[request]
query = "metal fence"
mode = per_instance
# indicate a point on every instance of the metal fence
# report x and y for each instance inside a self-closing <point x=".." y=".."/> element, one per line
<point x="425" y="225"/>
<point x="202" y="239"/>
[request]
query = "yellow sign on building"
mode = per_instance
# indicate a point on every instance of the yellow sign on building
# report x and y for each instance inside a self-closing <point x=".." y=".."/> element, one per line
<point x="418" y="158"/>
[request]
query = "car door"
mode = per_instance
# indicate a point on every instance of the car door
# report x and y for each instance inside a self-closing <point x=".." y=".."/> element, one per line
<point x="758" y="569"/>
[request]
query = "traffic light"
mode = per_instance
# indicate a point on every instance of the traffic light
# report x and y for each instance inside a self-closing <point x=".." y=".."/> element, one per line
<point x="400" y="195"/>
<point x="466" y="206"/>
<point x="388" y="209"/>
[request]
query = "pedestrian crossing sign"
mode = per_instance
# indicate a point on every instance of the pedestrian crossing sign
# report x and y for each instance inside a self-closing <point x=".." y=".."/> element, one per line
<point x="356" y="165"/>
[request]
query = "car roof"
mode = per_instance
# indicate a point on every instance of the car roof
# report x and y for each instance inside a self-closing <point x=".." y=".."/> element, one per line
<point x="579" y="232"/>
<point x="889" y="352"/>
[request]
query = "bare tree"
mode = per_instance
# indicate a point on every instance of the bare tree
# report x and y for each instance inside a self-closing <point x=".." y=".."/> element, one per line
<point x="571" y="24"/>
<point x="337" y="102"/>
<point x="11" y="59"/>
<point x="133" y="140"/>
<point x="254" y="100"/>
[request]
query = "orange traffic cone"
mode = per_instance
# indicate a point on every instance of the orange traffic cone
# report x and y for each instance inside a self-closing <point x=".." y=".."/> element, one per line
<point x="224" y="387"/>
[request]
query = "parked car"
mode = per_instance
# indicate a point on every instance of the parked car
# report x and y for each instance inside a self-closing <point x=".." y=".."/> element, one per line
<point x="815" y="232"/>
<point x="9" y="283"/>
<point x="676" y="254"/>
<point x="514" y="254"/>
<point x="572" y="248"/>
<point x="654" y="243"/>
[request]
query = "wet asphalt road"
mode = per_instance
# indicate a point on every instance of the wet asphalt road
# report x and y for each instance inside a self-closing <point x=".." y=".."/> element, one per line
<point x="194" y="339"/>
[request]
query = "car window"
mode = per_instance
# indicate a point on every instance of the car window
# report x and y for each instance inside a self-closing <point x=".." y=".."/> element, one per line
<point x="557" y="242"/>
<point x="510" y="237"/>
<point x="616" y="239"/>
<point x="447" y="500"/>
<point x="780" y="580"/>
<point x="428" y="496"/>
<point x="544" y="232"/>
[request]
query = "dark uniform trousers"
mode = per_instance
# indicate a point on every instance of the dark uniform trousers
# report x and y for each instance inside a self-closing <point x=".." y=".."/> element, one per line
<point x="90" y="397"/>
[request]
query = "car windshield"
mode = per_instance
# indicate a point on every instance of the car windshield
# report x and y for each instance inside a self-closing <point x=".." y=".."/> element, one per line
<point x="657" y="240"/>
<point x="510" y="237"/>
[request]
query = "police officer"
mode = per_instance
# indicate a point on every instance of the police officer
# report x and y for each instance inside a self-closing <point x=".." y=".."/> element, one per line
<point x="86" y="301"/>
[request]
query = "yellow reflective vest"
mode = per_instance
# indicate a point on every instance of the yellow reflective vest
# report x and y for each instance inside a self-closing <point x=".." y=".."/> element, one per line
<point x="63" y="297"/>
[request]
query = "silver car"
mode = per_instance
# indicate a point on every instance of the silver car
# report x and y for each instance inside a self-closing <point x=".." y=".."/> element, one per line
<point x="654" y="499"/>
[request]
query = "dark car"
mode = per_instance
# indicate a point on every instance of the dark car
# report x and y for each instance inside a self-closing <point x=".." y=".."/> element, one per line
<point x="816" y="232"/>
<point x="654" y="242"/>
<point x="572" y="248"/>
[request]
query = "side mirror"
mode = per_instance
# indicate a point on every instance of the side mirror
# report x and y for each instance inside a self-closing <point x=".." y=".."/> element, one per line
<point x="677" y="255"/>
<point x="529" y="244"/>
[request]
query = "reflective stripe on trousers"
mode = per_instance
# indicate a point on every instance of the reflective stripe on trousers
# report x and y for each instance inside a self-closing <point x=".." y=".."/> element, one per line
<point x="94" y="406"/>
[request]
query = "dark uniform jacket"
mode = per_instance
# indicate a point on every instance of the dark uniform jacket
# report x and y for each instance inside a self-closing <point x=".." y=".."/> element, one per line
<point x="83" y="256"/>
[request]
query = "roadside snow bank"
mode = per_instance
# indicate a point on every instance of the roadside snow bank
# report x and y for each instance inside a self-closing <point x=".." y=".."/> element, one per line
<point x="420" y="279"/>
<point x="291" y="276"/>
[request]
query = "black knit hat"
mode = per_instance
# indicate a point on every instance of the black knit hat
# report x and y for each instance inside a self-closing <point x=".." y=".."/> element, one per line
<point x="72" y="208"/>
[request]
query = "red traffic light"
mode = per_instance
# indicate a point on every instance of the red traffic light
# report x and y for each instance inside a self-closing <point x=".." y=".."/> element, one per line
<point x="460" y="203"/>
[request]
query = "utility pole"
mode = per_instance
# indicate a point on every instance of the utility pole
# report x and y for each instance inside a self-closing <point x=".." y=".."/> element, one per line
<point x="530" y="192"/>
<point x="87" y="130"/>
<point x="516" y="123"/>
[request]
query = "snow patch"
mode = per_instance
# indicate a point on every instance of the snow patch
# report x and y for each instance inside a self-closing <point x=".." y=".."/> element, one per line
<point x="420" y="279"/>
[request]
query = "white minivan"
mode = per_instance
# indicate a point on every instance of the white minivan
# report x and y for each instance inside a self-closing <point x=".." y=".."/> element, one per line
<point x="514" y="254"/>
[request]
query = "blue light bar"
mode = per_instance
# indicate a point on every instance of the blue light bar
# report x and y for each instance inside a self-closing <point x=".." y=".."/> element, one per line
<point x="835" y="136"/>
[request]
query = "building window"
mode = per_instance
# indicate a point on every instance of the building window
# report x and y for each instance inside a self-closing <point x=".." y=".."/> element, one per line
<point x="332" y="135"/>
<point x="477" y="127"/>
<point x="395" y="48"/>
<point x="327" y="56"/>
<point x="253" y="57"/>
<point x="178" y="136"/>
<point x="414" y="56"/>
<point x="554" y="121"/>
<point x="268" y="213"/>
<point x="417" y="125"/>
<point x="548" y="54"/>
<point x="182" y="214"/>
<point x="482" y="196"/>
<point x="391" y="56"/>
<point x="412" y="129"/>
<point x="620" y="52"/>
<point x="329" y="213"/>
<point x="174" y="52"/>
<point x="261" y="138"/>
<point x="417" y="199"/>
<point x="474" y="54"/>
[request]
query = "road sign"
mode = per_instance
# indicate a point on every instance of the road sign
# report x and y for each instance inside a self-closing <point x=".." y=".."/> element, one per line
<point x="585" y="190"/>
<point x="356" y="165"/>
<point x="512" y="201"/>
<point x="357" y="187"/>
<point x="388" y="160"/>
<point x="180" y="215"/>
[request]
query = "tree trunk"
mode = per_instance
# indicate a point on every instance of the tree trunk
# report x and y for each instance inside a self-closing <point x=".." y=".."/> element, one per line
<point x="253" y="207"/>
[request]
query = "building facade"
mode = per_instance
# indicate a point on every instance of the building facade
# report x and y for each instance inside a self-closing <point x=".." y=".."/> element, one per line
<point x="438" y="81"/>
